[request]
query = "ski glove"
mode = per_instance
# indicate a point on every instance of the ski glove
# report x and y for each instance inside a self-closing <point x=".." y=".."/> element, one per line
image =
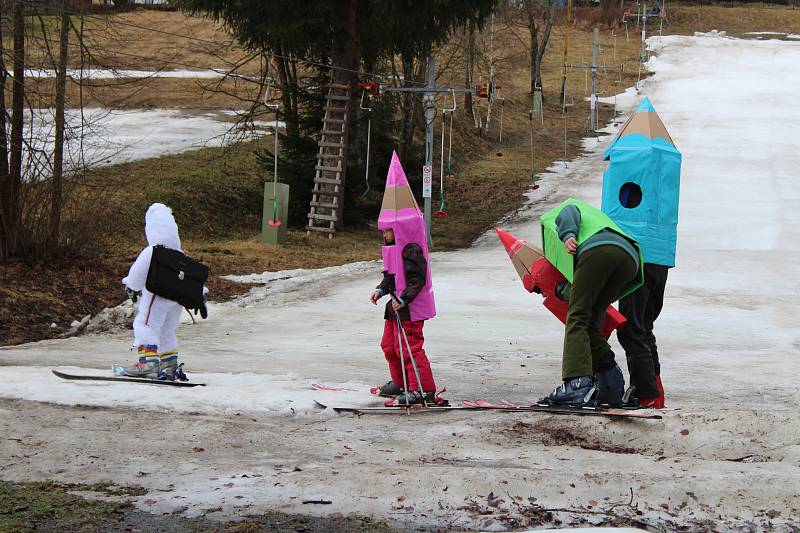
<point x="132" y="294"/>
<point x="203" y="310"/>
<point x="563" y="290"/>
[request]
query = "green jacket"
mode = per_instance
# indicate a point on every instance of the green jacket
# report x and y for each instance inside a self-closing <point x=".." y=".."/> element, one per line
<point x="592" y="222"/>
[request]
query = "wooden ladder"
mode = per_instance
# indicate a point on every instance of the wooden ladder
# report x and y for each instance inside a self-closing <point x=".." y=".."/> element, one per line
<point x="327" y="197"/>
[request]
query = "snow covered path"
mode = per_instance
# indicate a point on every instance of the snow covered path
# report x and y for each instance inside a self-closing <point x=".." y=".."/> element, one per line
<point x="111" y="136"/>
<point x="728" y="336"/>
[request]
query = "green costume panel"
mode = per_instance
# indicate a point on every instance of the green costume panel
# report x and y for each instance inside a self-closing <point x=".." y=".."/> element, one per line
<point x="592" y="221"/>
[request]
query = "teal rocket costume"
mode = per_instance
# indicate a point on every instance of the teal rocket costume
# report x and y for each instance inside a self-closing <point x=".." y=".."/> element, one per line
<point x="641" y="189"/>
<point x="642" y="184"/>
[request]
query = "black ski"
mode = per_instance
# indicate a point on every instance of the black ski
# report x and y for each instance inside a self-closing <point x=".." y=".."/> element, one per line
<point x="544" y="409"/>
<point x="74" y="377"/>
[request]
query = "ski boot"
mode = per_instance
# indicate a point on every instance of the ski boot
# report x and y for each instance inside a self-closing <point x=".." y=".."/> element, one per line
<point x="610" y="386"/>
<point x="389" y="390"/>
<point x="660" y="392"/>
<point x="148" y="366"/>
<point x="413" y="397"/>
<point x="578" y="391"/>
<point x="656" y="402"/>
<point x="179" y="374"/>
<point x="168" y="366"/>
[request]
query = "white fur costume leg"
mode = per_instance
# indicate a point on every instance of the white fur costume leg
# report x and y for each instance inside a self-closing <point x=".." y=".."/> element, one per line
<point x="169" y="341"/>
<point x="156" y="322"/>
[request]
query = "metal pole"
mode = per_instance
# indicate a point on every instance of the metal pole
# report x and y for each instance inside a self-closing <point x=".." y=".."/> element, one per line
<point x="450" y="139"/>
<point x="441" y="162"/>
<point x="369" y="138"/>
<point x="275" y="170"/>
<point x="593" y="102"/>
<point x="502" y="106"/>
<point x="565" y="137"/>
<point x="530" y="130"/>
<point x="430" y="116"/>
<point x="614" y="35"/>
<point x="643" y="52"/>
<point x="593" y="98"/>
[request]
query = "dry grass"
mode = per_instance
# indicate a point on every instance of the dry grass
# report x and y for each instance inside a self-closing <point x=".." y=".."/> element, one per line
<point x="689" y="17"/>
<point x="142" y="40"/>
<point x="153" y="92"/>
<point x="251" y="255"/>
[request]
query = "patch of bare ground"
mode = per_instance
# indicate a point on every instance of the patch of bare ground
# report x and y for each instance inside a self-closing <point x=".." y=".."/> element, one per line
<point x="733" y="436"/>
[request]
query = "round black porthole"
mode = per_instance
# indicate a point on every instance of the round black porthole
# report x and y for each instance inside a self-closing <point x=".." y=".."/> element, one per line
<point x="630" y="195"/>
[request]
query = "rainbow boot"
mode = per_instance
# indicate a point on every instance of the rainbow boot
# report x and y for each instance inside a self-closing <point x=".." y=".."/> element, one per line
<point x="152" y="365"/>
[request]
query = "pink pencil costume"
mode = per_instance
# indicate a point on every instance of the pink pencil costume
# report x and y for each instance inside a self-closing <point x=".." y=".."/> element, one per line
<point x="401" y="213"/>
<point x="407" y="277"/>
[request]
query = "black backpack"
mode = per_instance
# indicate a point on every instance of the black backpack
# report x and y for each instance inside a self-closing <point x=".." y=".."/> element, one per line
<point x="176" y="276"/>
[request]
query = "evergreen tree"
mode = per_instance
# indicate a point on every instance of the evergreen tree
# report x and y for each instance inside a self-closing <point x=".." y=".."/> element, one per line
<point x="336" y="40"/>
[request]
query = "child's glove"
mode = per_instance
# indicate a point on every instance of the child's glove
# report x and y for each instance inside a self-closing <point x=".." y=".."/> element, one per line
<point x="132" y="294"/>
<point x="563" y="290"/>
<point x="203" y="309"/>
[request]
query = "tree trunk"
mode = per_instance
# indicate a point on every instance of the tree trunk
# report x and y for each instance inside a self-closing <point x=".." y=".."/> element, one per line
<point x="470" y="75"/>
<point x="58" y="151"/>
<point x="533" y="30"/>
<point x="17" y="104"/>
<point x="490" y="96"/>
<point x="4" y="177"/>
<point x="542" y="48"/>
<point x="349" y="59"/>
<point x="407" y="108"/>
<point x="350" y="54"/>
<point x="287" y="91"/>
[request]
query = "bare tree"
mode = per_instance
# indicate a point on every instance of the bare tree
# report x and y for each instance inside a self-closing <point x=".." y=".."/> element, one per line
<point x="45" y="200"/>
<point x="536" y="9"/>
<point x="469" y="106"/>
<point x="9" y="194"/>
<point x="5" y="178"/>
<point x="58" y="149"/>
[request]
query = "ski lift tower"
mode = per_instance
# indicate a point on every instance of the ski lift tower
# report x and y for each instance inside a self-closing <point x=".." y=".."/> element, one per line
<point x="429" y="93"/>
<point x="594" y="67"/>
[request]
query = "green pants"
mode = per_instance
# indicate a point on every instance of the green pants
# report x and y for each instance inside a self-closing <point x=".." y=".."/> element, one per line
<point x="600" y="275"/>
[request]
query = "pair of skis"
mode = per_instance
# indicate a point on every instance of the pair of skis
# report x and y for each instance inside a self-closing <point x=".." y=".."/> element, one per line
<point x="483" y="405"/>
<point x="466" y="405"/>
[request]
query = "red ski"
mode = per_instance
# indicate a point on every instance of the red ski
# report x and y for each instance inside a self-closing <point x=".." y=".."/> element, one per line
<point x="320" y="386"/>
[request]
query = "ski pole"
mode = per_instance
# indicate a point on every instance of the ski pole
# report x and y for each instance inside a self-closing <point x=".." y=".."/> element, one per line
<point x="410" y="355"/>
<point x="402" y="361"/>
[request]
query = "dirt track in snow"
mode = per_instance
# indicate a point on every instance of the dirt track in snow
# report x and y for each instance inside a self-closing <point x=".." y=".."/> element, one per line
<point x="720" y="469"/>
